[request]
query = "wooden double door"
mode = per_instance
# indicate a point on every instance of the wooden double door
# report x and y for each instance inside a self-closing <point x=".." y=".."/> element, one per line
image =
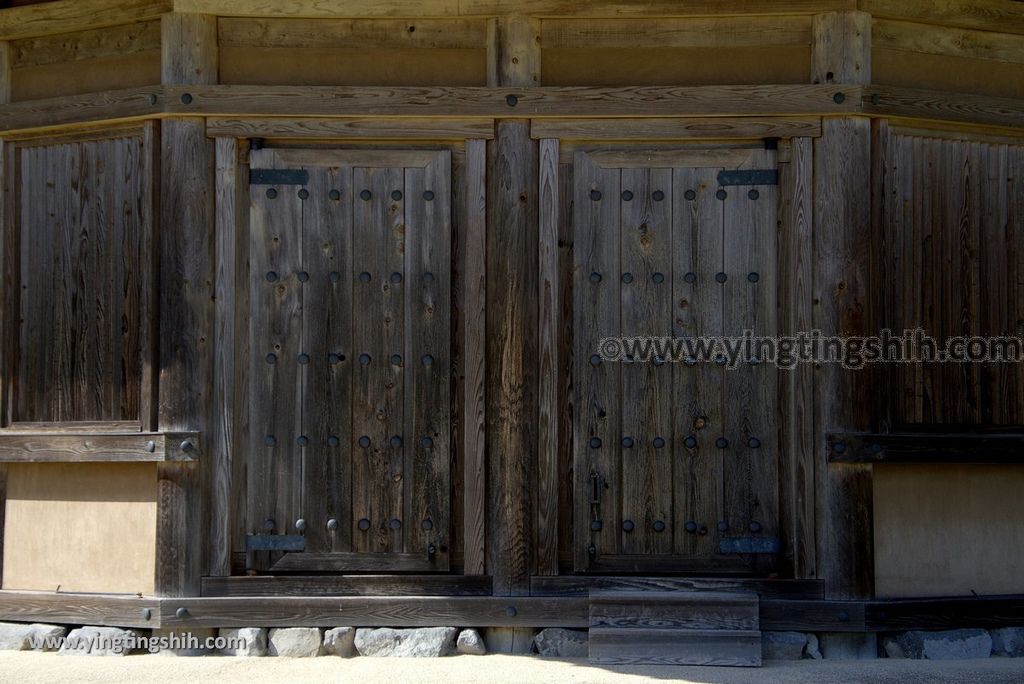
<point x="675" y="455"/>
<point x="349" y="383"/>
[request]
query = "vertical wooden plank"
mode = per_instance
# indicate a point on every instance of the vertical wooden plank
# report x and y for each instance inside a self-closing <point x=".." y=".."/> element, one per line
<point x="842" y="401"/>
<point x="566" y="390"/>
<point x="187" y="295"/>
<point x="149" y="268"/>
<point x="750" y="461"/>
<point x="5" y="72"/>
<point x="378" y="390"/>
<point x="327" y="340"/>
<point x="548" y="389"/>
<point x="697" y="249"/>
<point x="841" y="47"/>
<point x="1015" y="215"/>
<point x="598" y="401"/>
<point x="11" y="278"/>
<point x="645" y="303"/>
<point x="428" y="359"/>
<point x="929" y="168"/>
<point x="473" y="326"/>
<point x="275" y="333"/>
<point x="511" y="355"/>
<point x="796" y="386"/>
<point x="513" y="51"/>
<point x="221" y="438"/>
<point x="188" y="44"/>
<point x="996" y="268"/>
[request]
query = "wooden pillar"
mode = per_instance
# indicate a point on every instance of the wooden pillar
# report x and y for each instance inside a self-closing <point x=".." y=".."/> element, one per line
<point x="8" y="225"/>
<point x="842" y="305"/>
<point x="187" y="277"/>
<point x="511" y="351"/>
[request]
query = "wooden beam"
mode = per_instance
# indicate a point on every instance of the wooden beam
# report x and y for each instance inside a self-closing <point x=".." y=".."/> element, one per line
<point x="5" y="72"/>
<point x="353" y="33"/>
<point x="950" y="41"/>
<point x="987" y="15"/>
<point x="582" y="585"/>
<point x="473" y="324"/>
<point x="908" y="103"/>
<point x="92" y="447"/>
<point x="79" y="609"/>
<point x="926" y="447"/>
<point x="818" y="616"/>
<point x="704" y="32"/>
<point x="376" y="611"/>
<point x="985" y="612"/>
<point x="352" y="128"/>
<point x="841" y="48"/>
<point x="511" y="332"/>
<point x="114" y="41"/>
<point x="484" y="8"/>
<point x="68" y="16"/>
<point x="188" y="45"/>
<point x="719" y="128"/>
<point x="348" y="585"/>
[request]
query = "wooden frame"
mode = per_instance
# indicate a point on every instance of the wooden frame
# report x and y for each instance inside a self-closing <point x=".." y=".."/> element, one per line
<point x="68" y="447"/>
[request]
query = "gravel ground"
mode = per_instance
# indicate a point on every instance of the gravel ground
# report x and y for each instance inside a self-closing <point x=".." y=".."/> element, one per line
<point x="39" y="668"/>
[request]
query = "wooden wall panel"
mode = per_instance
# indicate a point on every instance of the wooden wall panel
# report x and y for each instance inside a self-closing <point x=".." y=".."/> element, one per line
<point x="85" y="222"/>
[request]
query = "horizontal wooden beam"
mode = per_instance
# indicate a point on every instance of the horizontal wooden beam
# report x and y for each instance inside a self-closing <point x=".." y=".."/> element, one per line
<point x="703" y="32"/>
<point x="914" y="447"/>
<point x="820" y="616"/>
<point x="1003" y="16"/>
<point x="79" y="609"/>
<point x="376" y="611"/>
<point x="947" y="40"/>
<point x="115" y="41"/>
<point x="352" y="33"/>
<point x="92" y="447"/>
<point x="352" y="128"/>
<point x="348" y="585"/>
<point x="354" y="561"/>
<point x="718" y="128"/>
<point x="582" y="585"/>
<point x="67" y="16"/>
<point x="489" y="8"/>
<point x="394" y="103"/>
<point x="986" y="612"/>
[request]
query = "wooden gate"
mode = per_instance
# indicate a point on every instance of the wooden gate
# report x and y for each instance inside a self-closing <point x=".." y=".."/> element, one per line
<point x="349" y="382"/>
<point x="675" y="459"/>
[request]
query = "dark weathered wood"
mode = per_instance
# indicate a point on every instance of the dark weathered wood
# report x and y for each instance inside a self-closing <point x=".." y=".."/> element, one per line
<point x="842" y="307"/>
<point x="734" y="648"/>
<point x="179" y="559"/>
<point x="370" y="128"/>
<point x="570" y="585"/>
<point x="825" y="616"/>
<point x="597" y="520"/>
<point x="796" y="413"/>
<point x="348" y="585"/>
<point x="986" y="612"/>
<point x="718" y="128"/>
<point x="473" y="313"/>
<point x="841" y="47"/>
<point x="188" y="44"/>
<point x="53" y="447"/>
<point x="926" y="447"/>
<point x="359" y="561"/>
<point x="79" y="609"/>
<point x="405" y="611"/>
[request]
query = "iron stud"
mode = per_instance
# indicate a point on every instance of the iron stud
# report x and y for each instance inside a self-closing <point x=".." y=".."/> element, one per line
<point x="396" y="195"/>
<point x="300" y="524"/>
<point x="627" y="195"/>
<point x="334" y="358"/>
<point x="721" y="194"/>
<point x="659" y="526"/>
<point x="754" y="443"/>
<point x="690" y="441"/>
<point x="364" y="359"/>
<point x="395" y="524"/>
<point x="428" y="277"/>
<point x="658" y="195"/>
<point x="595" y="195"/>
<point x="511" y="100"/>
<point x="181" y="613"/>
<point x="271" y="358"/>
<point x="186" y="98"/>
<point x="364" y="441"/>
<point x="753" y="276"/>
<point x="147" y="613"/>
<point x="690" y="195"/>
<point x="396" y="359"/>
<point x="271" y="193"/>
<point x="334" y="276"/>
<point x="658" y="278"/>
<point x="396" y="441"/>
<point x="658" y="442"/>
<point x="363" y="524"/>
<point x="427" y="442"/>
<point x="303" y="359"/>
<point x="427" y="360"/>
<point x="333" y="441"/>
<point x="152" y="100"/>
<point x="427" y="524"/>
<point x="839" y="447"/>
<point x="595" y="277"/>
<point x="272" y="276"/>
<point x="150" y="446"/>
<point x="365" y="195"/>
<point x="690" y="277"/>
<point x="839" y="98"/>
<point x="303" y="194"/>
<point x="721" y="442"/>
<point x="627" y="277"/>
<point x="627" y="442"/>
<point x="270" y="440"/>
<point x="396" y="277"/>
<point x="334" y="195"/>
<point x="723" y="526"/>
<point x="595" y="442"/>
<point x="428" y="195"/>
<point x="753" y="194"/>
<point x="691" y="526"/>
<point x="332" y="524"/>
<point x="755" y="527"/>
<point x="269" y="524"/>
<point x="187" y="446"/>
<point x="511" y="611"/>
<point x="303" y="276"/>
<point x="364" y="277"/>
<point x="627" y="526"/>
<point x="596" y="525"/>
<point x="721" y="277"/>
<point x="302" y="440"/>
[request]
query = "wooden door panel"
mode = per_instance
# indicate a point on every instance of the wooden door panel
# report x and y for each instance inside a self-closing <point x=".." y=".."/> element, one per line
<point x="672" y="458"/>
<point x="350" y="419"/>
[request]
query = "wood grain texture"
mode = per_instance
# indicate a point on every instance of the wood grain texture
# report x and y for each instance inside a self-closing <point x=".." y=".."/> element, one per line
<point x="843" y="305"/>
<point x="352" y="33"/>
<point x="841" y="48"/>
<point x="796" y="385"/>
<point x="985" y="15"/>
<point x="348" y="585"/>
<point x="52" y="447"/>
<point x="939" y="40"/>
<point x="72" y="608"/>
<point x="732" y="648"/>
<point x="670" y="610"/>
<point x="513" y="51"/>
<point x="68" y="16"/>
<point x="548" y="439"/>
<point x="665" y="32"/>
<point x="473" y="319"/>
<point x="188" y="44"/>
<point x="357" y="128"/>
<point x="92" y="44"/>
<point x="581" y="585"/>
<point x="718" y="128"/>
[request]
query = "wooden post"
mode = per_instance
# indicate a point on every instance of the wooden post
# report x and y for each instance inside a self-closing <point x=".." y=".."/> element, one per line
<point x="187" y="281"/>
<point x="8" y="225"/>
<point x="513" y="60"/>
<point x="842" y="306"/>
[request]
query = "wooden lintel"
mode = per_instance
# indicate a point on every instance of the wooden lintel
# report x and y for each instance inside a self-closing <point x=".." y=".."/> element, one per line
<point x="712" y="128"/>
<point x="348" y="585"/>
<point x="92" y="447"/>
<point x="364" y="128"/>
<point x="911" y="447"/>
<point x="67" y="16"/>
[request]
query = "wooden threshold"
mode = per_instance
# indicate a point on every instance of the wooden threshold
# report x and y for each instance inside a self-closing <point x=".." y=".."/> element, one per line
<point x="582" y="585"/>
<point x="93" y="447"/>
<point x="348" y="585"/>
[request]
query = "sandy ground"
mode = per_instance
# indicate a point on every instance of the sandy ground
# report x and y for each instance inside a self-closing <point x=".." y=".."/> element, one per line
<point x="40" y="668"/>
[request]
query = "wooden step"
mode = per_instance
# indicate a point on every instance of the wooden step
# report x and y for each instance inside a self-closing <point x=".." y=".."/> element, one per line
<point x="632" y="646"/>
<point x="675" y="609"/>
<point x="675" y="628"/>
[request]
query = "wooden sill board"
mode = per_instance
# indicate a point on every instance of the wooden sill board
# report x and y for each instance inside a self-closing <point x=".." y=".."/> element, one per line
<point x="92" y="447"/>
